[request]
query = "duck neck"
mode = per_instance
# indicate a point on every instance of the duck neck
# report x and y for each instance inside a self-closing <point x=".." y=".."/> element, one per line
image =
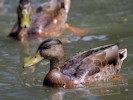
<point x="56" y="62"/>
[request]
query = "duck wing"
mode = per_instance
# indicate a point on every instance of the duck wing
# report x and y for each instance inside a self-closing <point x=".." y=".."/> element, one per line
<point x="91" y="62"/>
<point x="73" y="63"/>
<point x="98" y="60"/>
<point x="46" y="18"/>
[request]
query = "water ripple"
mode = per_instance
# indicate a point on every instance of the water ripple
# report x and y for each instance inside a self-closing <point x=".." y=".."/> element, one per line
<point x="93" y="37"/>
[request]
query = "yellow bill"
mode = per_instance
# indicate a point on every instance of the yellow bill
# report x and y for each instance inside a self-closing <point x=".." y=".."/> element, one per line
<point x="25" y="19"/>
<point x="32" y="60"/>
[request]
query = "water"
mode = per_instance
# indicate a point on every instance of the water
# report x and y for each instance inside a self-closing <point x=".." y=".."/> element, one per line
<point x="109" y="22"/>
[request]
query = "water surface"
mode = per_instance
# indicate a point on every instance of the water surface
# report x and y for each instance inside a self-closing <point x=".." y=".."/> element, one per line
<point x="110" y="21"/>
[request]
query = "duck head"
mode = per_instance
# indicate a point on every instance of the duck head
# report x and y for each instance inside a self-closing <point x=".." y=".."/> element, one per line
<point x="51" y="49"/>
<point x="23" y="11"/>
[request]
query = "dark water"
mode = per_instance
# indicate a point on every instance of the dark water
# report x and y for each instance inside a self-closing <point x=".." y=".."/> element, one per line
<point x="109" y="21"/>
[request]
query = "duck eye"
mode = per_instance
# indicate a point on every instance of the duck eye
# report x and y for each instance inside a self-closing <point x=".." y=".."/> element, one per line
<point x="46" y="47"/>
<point x="35" y="56"/>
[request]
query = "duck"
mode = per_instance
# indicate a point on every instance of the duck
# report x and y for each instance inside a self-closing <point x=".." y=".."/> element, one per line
<point x="98" y="64"/>
<point x="47" y="20"/>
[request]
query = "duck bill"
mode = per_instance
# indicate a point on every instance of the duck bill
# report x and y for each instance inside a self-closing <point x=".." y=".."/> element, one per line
<point x="25" y="19"/>
<point x="33" y="60"/>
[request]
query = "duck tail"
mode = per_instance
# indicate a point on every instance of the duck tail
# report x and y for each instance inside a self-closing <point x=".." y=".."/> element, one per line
<point x="67" y="5"/>
<point x="123" y="54"/>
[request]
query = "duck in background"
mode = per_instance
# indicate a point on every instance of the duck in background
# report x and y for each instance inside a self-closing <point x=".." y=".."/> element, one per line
<point x="48" y="20"/>
<point x="88" y="67"/>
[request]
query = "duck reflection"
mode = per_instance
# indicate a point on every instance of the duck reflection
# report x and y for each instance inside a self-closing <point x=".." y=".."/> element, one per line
<point x="88" y="93"/>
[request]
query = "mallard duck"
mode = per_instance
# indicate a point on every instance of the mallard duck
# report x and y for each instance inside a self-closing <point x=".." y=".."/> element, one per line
<point x="97" y="64"/>
<point x="48" y="20"/>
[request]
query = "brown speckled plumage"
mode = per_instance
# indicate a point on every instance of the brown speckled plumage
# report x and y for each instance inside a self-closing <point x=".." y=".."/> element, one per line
<point x="48" y="20"/>
<point x="98" y="64"/>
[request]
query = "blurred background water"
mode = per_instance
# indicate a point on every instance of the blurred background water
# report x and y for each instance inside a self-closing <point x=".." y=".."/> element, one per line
<point x="110" y="21"/>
